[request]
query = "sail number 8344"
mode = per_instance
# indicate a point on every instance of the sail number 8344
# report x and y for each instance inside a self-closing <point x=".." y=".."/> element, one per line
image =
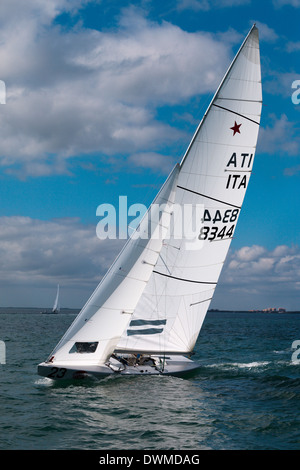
<point x="217" y="231"/>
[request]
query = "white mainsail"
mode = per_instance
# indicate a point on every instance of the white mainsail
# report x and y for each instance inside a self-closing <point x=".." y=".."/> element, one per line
<point x="56" y="306"/>
<point x="214" y="172"/>
<point x="155" y="296"/>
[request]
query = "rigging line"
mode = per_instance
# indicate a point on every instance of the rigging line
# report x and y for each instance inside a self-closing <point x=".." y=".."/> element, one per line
<point x="234" y="112"/>
<point x="185" y="322"/>
<point x="201" y="302"/>
<point x="209" y="197"/>
<point x="185" y="280"/>
<point x="164" y="262"/>
<point x="172" y="246"/>
<point x="158" y="299"/>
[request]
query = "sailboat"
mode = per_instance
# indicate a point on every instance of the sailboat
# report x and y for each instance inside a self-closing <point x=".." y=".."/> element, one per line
<point x="147" y="312"/>
<point x="56" y="307"/>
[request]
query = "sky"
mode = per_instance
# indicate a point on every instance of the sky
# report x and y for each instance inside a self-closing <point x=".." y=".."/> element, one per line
<point x="102" y="99"/>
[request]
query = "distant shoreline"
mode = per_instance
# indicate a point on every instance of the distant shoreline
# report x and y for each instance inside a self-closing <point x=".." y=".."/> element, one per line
<point x="37" y="310"/>
<point x="77" y="310"/>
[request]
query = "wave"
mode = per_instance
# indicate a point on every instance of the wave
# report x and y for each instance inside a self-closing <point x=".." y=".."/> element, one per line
<point x="240" y="365"/>
<point x="251" y="365"/>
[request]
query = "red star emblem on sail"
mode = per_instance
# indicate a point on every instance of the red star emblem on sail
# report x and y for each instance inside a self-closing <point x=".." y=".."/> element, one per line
<point x="236" y="128"/>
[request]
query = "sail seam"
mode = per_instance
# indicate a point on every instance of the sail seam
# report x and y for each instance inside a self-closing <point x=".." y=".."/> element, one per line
<point x="209" y="197"/>
<point x="221" y="240"/>
<point x="243" y="80"/>
<point x="182" y="279"/>
<point x="238" y="171"/>
<point x="239" y="99"/>
<point x="224" y="145"/>
<point x="234" y="112"/>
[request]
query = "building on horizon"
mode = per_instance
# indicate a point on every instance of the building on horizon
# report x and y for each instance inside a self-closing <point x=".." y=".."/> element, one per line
<point x="270" y="310"/>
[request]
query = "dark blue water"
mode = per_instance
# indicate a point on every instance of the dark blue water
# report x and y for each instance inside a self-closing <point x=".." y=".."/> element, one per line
<point x="246" y="394"/>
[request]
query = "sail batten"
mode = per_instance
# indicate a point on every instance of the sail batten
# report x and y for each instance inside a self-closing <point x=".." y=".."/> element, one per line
<point x="184" y="280"/>
<point x="234" y="112"/>
<point x="209" y="197"/>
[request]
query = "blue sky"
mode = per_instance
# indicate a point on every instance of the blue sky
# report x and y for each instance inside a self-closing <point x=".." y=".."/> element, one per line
<point x="102" y="98"/>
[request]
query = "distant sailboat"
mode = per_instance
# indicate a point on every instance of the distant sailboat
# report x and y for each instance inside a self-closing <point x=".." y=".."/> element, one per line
<point x="56" y="306"/>
<point x="146" y="314"/>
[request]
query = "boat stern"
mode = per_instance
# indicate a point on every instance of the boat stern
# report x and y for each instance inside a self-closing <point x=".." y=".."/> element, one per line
<point x="70" y="372"/>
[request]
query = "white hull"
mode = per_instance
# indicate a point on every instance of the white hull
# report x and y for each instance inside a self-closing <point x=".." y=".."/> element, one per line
<point x="158" y="365"/>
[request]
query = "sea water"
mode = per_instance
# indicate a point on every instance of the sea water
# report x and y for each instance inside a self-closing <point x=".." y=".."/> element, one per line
<point x="245" y="396"/>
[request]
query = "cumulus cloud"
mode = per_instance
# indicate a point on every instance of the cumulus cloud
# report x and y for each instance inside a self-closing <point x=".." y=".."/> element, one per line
<point x="254" y="276"/>
<point x="291" y="171"/>
<point x="279" y="137"/>
<point x="37" y="254"/>
<point x="248" y="253"/>
<point x="282" y="3"/>
<point x="153" y="161"/>
<point x="198" y="5"/>
<point x="266" y="33"/>
<point x="83" y="91"/>
<point x="280" y="83"/>
<point x="293" y="46"/>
